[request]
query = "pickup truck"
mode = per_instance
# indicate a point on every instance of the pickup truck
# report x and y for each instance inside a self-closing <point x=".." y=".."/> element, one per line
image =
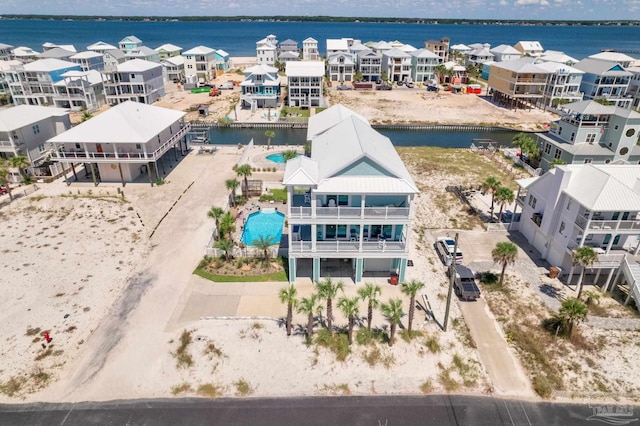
<point x="465" y="284"/>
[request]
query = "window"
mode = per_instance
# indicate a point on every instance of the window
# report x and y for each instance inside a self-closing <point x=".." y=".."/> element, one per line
<point x="630" y="133"/>
<point x="624" y="151"/>
<point x="569" y="204"/>
<point x="138" y="146"/>
<point x="591" y="137"/>
<point x="36" y="129"/>
<point x="562" y="226"/>
<point x="78" y="146"/>
<point x="41" y="148"/>
<point x="557" y="154"/>
<point x="532" y="201"/>
<point x="607" y="161"/>
<point x="588" y="160"/>
<point x="573" y="136"/>
<point x="547" y="148"/>
<point x="560" y="130"/>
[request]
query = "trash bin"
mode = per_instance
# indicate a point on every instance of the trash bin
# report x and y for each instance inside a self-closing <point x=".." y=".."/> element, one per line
<point x="553" y="272"/>
<point x="393" y="279"/>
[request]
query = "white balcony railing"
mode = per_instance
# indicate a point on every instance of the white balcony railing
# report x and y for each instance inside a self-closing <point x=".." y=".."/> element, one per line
<point x="342" y="212"/>
<point x="340" y="246"/>
<point x="608" y="225"/>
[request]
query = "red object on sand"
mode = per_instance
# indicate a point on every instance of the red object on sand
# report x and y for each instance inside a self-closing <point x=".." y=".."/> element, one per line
<point x="47" y="337"/>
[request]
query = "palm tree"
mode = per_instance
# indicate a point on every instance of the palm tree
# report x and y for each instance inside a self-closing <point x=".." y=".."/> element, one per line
<point x="504" y="196"/>
<point x="227" y="225"/>
<point x="505" y="254"/>
<point x="226" y="246"/>
<point x="572" y="311"/>
<point x="527" y="145"/>
<point x="269" y="134"/>
<point x="328" y="290"/>
<point x="394" y="313"/>
<point x="584" y="256"/>
<point x="85" y="116"/>
<point x="411" y="289"/>
<point x="20" y="162"/>
<point x="263" y="243"/>
<point x="244" y="171"/>
<point x="556" y="162"/>
<point x="216" y="213"/>
<point x="288" y="296"/>
<point x="307" y="148"/>
<point x="232" y="185"/>
<point x="491" y="184"/>
<point x="349" y="307"/>
<point x="370" y="293"/>
<point x="4" y="179"/>
<point x="310" y="306"/>
<point x="289" y="154"/>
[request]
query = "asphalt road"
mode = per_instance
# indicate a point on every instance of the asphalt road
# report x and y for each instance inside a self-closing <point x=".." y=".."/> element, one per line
<point x="438" y="410"/>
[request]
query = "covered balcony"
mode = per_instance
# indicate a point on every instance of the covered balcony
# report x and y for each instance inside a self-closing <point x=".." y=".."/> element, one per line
<point x="608" y="222"/>
<point x="347" y="207"/>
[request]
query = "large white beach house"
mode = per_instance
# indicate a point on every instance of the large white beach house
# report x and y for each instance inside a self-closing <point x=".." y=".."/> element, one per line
<point x="122" y="143"/>
<point x="352" y="201"/>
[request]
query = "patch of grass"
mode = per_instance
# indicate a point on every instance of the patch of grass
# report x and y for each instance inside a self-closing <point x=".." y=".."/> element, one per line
<point x="541" y="386"/>
<point x="366" y="337"/>
<point x="374" y="356"/>
<point x="183" y="387"/>
<point x="444" y="377"/>
<point x="432" y="342"/>
<point x="44" y="353"/>
<point x="212" y="350"/>
<point x="243" y="388"/>
<point x="33" y="331"/>
<point x="488" y="278"/>
<point x="466" y="370"/>
<point x="12" y="386"/>
<point x="407" y="337"/>
<point x="338" y="343"/>
<point x="182" y="355"/>
<point x="277" y="276"/>
<point x="337" y="389"/>
<point x="210" y="390"/>
<point x="70" y="329"/>
<point x="426" y="387"/>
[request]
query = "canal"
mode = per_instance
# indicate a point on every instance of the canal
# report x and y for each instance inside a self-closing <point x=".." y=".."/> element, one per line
<point x="404" y="137"/>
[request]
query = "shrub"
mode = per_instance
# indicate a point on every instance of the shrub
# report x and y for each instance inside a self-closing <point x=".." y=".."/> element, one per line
<point x="432" y="342"/>
<point x="210" y="390"/>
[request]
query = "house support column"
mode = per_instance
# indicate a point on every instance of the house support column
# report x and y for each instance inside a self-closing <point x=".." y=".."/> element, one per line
<point x="168" y="154"/>
<point x="316" y="269"/>
<point x="64" y="172"/>
<point x="149" y="171"/>
<point x="121" y="174"/>
<point x="606" y="284"/>
<point x="73" y="168"/>
<point x="573" y="267"/>
<point x="595" y="281"/>
<point x="175" y="153"/>
<point x="162" y="165"/>
<point x="402" y="268"/>
<point x="314" y="236"/>
<point x="637" y="249"/>
<point x="628" y="299"/>
<point x="615" y="280"/>
<point x="292" y="270"/>
<point x="155" y="164"/>
<point x="359" y="269"/>
<point x="93" y="174"/>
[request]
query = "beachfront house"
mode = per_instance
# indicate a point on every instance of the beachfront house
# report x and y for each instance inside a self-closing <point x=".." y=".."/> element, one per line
<point x="6" y="76"/>
<point x="89" y="60"/>
<point x="529" y="48"/>
<point x="5" y="51"/>
<point x="173" y="68"/>
<point x="337" y="45"/>
<point x="380" y="47"/>
<point x="101" y="47"/>
<point x="591" y="133"/>
<point x="440" y="48"/>
<point x="287" y="56"/>
<point x="557" y="56"/>
<point x="423" y="65"/>
<point x="222" y="60"/>
<point x="504" y="52"/>
<point x="585" y="205"/>
<point x="168" y="50"/>
<point x="519" y="83"/>
<point x="135" y="80"/>
<point x="25" y="130"/>
<point x="369" y="64"/>
<point x="305" y="84"/>
<point x="199" y="63"/>
<point x="57" y="53"/>
<point x="310" y="49"/>
<point x="267" y="50"/>
<point x="479" y="55"/>
<point x="605" y="80"/>
<point x="32" y="83"/>
<point x="143" y="52"/>
<point x="563" y="84"/>
<point x="633" y="91"/>
<point x="24" y="54"/>
<point x="260" y="87"/>
<point x="124" y="142"/>
<point x="458" y="74"/>
<point x="80" y="90"/>
<point x="341" y="67"/>
<point x="351" y="203"/>
<point x="625" y="61"/>
<point x="113" y="58"/>
<point x="288" y="46"/>
<point x="397" y="65"/>
<point x="129" y="43"/>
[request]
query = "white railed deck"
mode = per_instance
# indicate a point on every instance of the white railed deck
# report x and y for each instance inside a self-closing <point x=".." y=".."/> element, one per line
<point x="125" y="157"/>
<point x="606" y="226"/>
<point x="341" y="212"/>
<point x="339" y="246"/>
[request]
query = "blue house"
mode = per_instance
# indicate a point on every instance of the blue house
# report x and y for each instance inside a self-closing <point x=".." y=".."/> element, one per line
<point x="261" y="87"/>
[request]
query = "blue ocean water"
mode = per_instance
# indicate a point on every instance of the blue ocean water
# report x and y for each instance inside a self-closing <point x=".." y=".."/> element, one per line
<point x="269" y="225"/>
<point x="238" y="38"/>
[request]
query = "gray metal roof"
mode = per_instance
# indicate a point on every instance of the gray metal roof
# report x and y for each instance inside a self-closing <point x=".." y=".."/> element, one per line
<point x="600" y="67"/>
<point x="16" y="117"/>
<point x="328" y="118"/>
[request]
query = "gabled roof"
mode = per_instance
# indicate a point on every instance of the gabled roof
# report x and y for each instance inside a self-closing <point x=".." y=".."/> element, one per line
<point x="101" y="45"/>
<point x="558" y="67"/>
<point x="260" y="69"/>
<point x="49" y="45"/>
<point x="461" y="48"/>
<point x="407" y="48"/>
<point x="130" y="39"/>
<point x="368" y="53"/>
<point x="288" y="41"/>
<point x="337" y="44"/>
<point x="56" y="53"/>
<point x="483" y="51"/>
<point x="328" y="118"/>
<point x="309" y="40"/>
<point x="199" y="50"/>
<point x="521" y="65"/>
<point x="289" y="54"/>
<point x="302" y="171"/>
<point x="5" y="46"/>
<point x="92" y="76"/>
<point x="87" y="54"/>
<point x="423" y="53"/>
<point x="174" y="60"/>
<point x="221" y="53"/>
<point x="589" y="107"/>
<point x="24" y="51"/>
<point x="395" y="53"/>
<point x="612" y="57"/>
<point x="357" y="47"/>
<point x="116" y="53"/>
<point x="128" y="122"/>
<point x="534" y="46"/>
<point x="600" y="188"/>
<point x="6" y="65"/>
<point x="505" y="49"/>
<point x="555" y="56"/>
<point x="600" y="67"/>
<point x="142" y="51"/>
<point x="136" y="65"/>
<point x="19" y="116"/>
<point x="348" y="58"/>
<point x="168" y="47"/>
<point x="304" y="69"/>
<point x="382" y="45"/>
<point x="49" y="64"/>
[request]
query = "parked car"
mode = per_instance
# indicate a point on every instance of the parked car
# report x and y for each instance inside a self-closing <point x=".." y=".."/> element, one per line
<point x="227" y="85"/>
<point x="343" y="87"/>
<point x="465" y="285"/>
<point x="409" y="84"/>
<point x="444" y="247"/>
<point x="507" y="216"/>
<point x="384" y="87"/>
<point x="432" y="88"/>
<point x="3" y="190"/>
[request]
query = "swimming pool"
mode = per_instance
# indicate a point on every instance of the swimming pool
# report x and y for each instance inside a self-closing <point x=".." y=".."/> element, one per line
<point x="277" y="158"/>
<point x="267" y="223"/>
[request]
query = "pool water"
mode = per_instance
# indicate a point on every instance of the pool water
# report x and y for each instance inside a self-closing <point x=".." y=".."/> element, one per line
<point x="266" y="222"/>
<point x="276" y="158"/>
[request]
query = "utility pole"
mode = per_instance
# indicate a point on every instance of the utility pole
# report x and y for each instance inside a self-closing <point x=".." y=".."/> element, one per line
<point x="452" y="276"/>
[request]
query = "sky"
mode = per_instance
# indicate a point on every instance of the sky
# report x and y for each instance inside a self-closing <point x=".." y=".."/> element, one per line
<point x="428" y="9"/>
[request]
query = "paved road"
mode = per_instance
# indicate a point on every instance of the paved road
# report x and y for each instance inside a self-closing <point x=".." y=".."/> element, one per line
<point x="504" y="371"/>
<point x="441" y="410"/>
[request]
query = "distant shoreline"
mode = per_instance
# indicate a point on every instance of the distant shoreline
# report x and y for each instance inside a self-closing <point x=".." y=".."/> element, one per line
<point x="349" y="19"/>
